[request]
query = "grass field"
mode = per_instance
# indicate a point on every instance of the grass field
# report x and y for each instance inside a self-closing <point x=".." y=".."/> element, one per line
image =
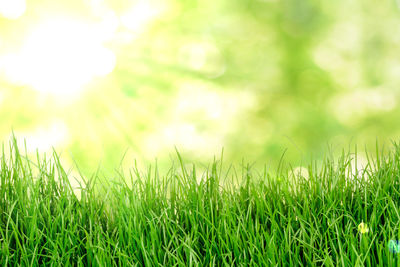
<point x="332" y="216"/>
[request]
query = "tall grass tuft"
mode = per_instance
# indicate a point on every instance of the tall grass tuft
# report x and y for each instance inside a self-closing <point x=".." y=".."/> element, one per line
<point x="183" y="218"/>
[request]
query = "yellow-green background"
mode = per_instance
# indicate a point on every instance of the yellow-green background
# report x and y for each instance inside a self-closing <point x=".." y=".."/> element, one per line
<point x="252" y="76"/>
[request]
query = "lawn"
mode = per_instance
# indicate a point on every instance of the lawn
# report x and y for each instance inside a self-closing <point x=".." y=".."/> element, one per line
<point x="226" y="216"/>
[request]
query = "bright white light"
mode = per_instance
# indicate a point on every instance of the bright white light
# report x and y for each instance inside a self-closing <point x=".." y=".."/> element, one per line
<point x="44" y="138"/>
<point x="140" y="15"/>
<point x="183" y="134"/>
<point x="60" y="57"/>
<point x="12" y="9"/>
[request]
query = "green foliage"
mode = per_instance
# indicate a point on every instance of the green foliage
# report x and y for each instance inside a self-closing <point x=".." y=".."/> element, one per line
<point x="224" y="218"/>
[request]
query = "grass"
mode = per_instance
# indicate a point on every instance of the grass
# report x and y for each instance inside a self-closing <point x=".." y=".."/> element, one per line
<point x="254" y="219"/>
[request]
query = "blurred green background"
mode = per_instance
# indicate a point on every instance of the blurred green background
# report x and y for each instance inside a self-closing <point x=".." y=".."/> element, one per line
<point x="96" y="79"/>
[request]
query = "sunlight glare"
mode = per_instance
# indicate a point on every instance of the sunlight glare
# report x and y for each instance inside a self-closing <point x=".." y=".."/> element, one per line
<point x="139" y="16"/>
<point x="45" y="137"/>
<point x="12" y="9"/>
<point x="60" y="57"/>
